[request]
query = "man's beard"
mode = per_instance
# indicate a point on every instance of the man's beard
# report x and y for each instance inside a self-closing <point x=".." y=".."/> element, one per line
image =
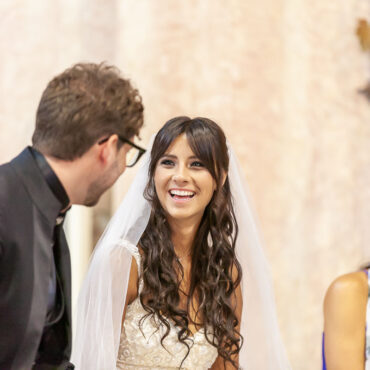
<point x="93" y="196"/>
<point x="98" y="187"/>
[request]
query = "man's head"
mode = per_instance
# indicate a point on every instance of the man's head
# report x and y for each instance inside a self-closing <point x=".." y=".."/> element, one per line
<point x="83" y="104"/>
<point x="80" y="107"/>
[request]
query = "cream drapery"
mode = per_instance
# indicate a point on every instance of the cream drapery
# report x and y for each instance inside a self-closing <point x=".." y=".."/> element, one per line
<point x="280" y="76"/>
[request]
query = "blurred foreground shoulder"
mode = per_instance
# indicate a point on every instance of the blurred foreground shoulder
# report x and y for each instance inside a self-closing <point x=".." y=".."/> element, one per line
<point x="345" y="322"/>
<point x="349" y="289"/>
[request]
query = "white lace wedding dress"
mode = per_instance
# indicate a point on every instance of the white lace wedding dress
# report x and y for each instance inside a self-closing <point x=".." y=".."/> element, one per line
<point x="141" y="348"/>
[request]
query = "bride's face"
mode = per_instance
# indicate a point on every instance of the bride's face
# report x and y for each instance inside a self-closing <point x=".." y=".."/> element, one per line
<point x="183" y="184"/>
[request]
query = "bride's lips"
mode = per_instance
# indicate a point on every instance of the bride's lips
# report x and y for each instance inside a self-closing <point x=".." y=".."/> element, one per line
<point x="181" y="195"/>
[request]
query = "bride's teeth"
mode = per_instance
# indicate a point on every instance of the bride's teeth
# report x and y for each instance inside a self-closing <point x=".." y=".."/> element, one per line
<point x="181" y="193"/>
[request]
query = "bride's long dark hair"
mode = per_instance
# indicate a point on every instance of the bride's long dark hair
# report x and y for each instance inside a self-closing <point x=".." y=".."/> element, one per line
<point x="215" y="270"/>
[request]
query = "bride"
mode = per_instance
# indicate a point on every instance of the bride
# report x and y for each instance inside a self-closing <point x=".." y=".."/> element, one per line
<point x="178" y="279"/>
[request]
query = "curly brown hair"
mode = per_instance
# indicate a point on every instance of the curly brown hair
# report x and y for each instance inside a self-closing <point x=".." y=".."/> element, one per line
<point x="215" y="270"/>
<point x="82" y="104"/>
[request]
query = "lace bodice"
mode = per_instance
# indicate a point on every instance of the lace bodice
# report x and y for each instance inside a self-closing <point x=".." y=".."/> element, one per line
<point x="142" y="349"/>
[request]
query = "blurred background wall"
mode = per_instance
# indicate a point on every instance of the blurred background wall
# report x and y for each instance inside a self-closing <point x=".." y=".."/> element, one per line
<point x="280" y="76"/>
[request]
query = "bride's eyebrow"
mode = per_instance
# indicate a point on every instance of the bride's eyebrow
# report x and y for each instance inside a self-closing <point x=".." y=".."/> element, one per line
<point x="172" y="156"/>
<point x="169" y="156"/>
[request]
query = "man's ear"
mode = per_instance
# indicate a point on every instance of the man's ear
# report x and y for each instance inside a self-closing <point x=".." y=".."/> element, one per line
<point x="107" y="150"/>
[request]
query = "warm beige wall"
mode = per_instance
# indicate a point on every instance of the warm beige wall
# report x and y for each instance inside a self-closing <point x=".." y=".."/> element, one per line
<point x="279" y="75"/>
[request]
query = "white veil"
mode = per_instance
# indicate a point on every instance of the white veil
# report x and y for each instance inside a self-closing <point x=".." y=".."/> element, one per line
<point x="102" y="297"/>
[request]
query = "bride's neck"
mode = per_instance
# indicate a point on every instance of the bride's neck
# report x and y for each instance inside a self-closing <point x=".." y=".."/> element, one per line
<point x="182" y="235"/>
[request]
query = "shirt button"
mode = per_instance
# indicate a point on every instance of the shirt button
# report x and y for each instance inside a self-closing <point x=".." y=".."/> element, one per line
<point x="59" y="220"/>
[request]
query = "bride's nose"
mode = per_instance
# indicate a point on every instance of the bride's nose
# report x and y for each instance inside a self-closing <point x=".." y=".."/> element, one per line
<point x="181" y="175"/>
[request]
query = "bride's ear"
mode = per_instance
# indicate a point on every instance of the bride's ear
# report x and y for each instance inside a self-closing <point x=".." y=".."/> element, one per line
<point x="224" y="177"/>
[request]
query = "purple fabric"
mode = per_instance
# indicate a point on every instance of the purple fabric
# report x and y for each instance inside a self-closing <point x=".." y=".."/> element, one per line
<point x="323" y="352"/>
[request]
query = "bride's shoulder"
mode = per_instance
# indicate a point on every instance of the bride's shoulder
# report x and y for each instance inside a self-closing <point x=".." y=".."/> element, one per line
<point x="132" y="287"/>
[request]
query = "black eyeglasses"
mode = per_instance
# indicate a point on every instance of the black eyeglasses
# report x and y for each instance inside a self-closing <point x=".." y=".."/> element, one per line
<point x="133" y="155"/>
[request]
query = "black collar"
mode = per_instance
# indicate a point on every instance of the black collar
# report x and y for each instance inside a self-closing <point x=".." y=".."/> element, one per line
<point x="51" y="178"/>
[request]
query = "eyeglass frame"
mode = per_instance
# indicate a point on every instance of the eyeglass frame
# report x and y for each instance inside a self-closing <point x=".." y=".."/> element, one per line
<point x="124" y="140"/>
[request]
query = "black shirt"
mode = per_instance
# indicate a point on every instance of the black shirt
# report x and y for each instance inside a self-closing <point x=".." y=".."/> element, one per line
<point x="55" y="297"/>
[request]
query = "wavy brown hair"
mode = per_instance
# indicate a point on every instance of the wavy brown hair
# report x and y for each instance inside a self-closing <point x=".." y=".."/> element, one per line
<point x="215" y="270"/>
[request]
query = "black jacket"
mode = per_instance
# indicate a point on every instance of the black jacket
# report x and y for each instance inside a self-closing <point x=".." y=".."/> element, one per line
<point x="28" y="212"/>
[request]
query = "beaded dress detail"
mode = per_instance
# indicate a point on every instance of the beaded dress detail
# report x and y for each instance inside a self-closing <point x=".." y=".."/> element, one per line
<point x="141" y="348"/>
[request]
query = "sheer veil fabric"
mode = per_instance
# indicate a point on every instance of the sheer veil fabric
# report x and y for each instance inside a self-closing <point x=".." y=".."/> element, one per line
<point x="102" y="297"/>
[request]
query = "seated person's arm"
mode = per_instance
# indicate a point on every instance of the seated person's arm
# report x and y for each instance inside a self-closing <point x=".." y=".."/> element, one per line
<point x="345" y="321"/>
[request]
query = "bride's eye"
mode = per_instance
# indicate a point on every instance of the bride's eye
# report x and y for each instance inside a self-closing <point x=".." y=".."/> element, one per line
<point x="166" y="162"/>
<point x="197" y="164"/>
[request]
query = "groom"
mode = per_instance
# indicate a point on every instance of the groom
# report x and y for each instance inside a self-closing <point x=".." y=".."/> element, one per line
<point x="86" y="121"/>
